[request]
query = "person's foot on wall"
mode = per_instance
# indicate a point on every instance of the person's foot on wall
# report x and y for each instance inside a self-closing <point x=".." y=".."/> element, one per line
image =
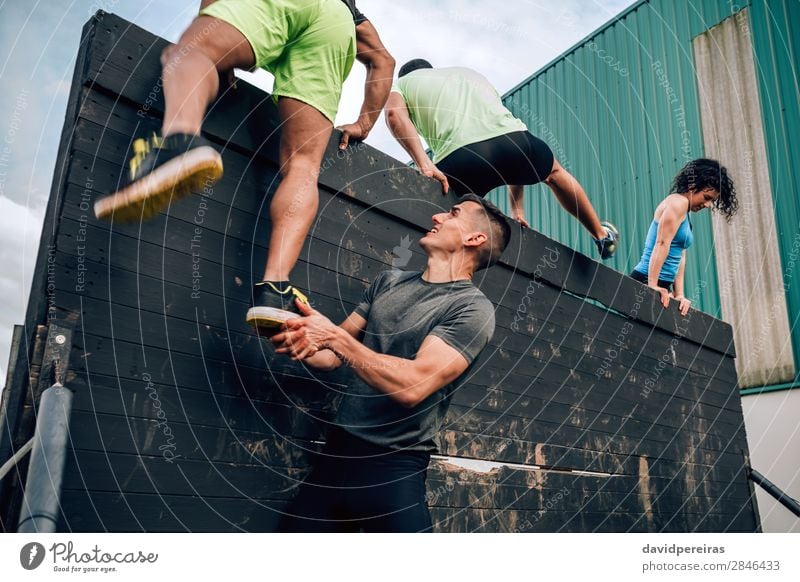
<point x="607" y="246"/>
<point x="273" y="303"/>
<point x="161" y="168"/>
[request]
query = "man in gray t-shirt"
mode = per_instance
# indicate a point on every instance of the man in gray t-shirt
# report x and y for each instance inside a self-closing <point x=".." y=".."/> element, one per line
<point x="409" y="343"/>
<point x="402" y="309"/>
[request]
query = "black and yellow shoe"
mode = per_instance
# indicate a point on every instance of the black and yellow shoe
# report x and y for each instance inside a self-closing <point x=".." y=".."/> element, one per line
<point x="273" y="304"/>
<point x="162" y="168"/>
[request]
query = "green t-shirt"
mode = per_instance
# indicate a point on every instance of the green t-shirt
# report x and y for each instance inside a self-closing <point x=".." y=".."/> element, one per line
<point x="454" y="107"/>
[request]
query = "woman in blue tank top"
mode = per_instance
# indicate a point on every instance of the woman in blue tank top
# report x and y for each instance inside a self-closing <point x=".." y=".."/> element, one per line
<point x="701" y="184"/>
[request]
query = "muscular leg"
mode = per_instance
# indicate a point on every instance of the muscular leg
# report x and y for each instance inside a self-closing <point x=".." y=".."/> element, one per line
<point x="190" y="71"/>
<point x="304" y="135"/>
<point x="571" y="196"/>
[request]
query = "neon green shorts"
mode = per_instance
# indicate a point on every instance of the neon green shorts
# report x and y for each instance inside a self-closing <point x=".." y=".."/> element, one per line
<point x="309" y="45"/>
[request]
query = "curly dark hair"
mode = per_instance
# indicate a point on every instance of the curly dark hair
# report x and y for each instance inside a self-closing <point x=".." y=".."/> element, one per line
<point x="703" y="173"/>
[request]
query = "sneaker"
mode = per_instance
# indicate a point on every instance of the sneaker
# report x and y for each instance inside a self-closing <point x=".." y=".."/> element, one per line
<point x="272" y="307"/>
<point x="607" y="246"/>
<point x="161" y="168"/>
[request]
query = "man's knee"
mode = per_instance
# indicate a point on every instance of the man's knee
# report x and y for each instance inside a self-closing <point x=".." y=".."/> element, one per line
<point x="168" y="54"/>
<point x="301" y="167"/>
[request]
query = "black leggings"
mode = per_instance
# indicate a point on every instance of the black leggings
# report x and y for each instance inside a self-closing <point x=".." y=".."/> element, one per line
<point x="517" y="158"/>
<point x="356" y="486"/>
<point x="642" y="278"/>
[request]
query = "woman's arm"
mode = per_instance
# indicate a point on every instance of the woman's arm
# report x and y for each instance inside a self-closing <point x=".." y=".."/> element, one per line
<point x="667" y="227"/>
<point x="668" y="223"/>
<point x="678" y="286"/>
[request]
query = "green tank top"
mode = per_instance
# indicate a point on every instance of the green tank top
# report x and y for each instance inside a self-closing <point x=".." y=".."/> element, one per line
<point x="453" y="107"/>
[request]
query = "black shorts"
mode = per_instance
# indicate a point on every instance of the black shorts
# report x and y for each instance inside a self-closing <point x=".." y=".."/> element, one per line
<point x="517" y="158"/>
<point x="642" y="278"/>
<point x="357" y="486"/>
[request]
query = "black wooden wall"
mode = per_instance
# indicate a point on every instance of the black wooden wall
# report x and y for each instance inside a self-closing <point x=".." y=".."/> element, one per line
<point x="609" y="415"/>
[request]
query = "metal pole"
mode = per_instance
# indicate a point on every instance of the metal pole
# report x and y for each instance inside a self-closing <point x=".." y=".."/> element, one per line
<point x="773" y="490"/>
<point x="15" y="458"/>
<point x="41" y="505"/>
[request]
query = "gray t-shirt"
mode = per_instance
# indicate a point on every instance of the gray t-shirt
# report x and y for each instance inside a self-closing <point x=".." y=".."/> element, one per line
<point x="401" y="310"/>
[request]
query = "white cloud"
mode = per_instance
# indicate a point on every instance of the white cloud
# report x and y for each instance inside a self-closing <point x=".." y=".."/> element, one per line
<point x="19" y="242"/>
<point x="58" y="87"/>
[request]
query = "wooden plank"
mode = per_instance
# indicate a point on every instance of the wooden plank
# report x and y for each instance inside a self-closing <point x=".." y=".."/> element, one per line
<point x="202" y="404"/>
<point x="136" y="362"/>
<point x="97" y="471"/>
<point x="257" y="443"/>
<point x="566" y="314"/>
<point x="529" y="450"/>
<point x="671" y="493"/>
<point x="576" y="370"/>
<point x="92" y="511"/>
<point x="483" y="520"/>
<point x="570" y="427"/>
<point x="666" y="492"/>
<point x="529" y="402"/>
<point x="169" y="513"/>
<point x="203" y="282"/>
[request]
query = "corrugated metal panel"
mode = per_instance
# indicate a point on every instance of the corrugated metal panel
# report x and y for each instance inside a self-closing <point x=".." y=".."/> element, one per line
<point x="748" y="261"/>
<point x="776" y="45"/>
<point x="623" y="136"/>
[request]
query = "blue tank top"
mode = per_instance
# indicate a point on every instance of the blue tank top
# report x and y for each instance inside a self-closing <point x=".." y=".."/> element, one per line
<point x="683" y="240"/>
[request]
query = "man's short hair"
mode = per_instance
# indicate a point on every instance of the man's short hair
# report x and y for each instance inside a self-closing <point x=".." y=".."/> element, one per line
<point x="412" y="66"/>
<point x="498" y="231"/>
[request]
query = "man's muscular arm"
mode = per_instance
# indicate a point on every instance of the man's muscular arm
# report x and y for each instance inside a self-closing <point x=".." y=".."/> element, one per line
<point x="380" y="70"/>
<point x="403" y="130"/>
<point x="407" y="382"/>
<point x="324" y="359"/>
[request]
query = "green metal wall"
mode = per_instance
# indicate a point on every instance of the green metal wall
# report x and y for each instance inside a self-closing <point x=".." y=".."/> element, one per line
<point x="777" y="50"/>
<point x="620" y="110"/>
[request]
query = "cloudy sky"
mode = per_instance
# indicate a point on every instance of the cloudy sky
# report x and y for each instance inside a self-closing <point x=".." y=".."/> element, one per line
<point x="507" y="41"/>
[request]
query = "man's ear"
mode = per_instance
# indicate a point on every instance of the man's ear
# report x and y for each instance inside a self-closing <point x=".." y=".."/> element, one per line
<point x="475" y="239"/>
